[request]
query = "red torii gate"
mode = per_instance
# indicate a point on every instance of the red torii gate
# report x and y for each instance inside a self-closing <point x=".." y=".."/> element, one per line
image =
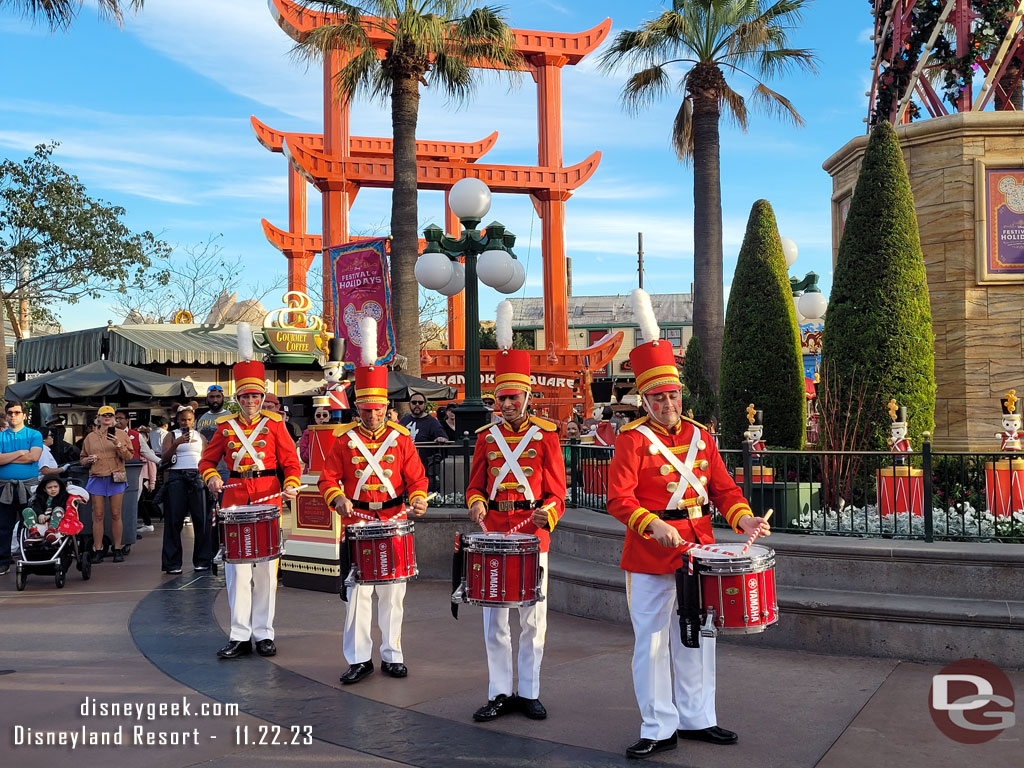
<point x="338" y="173"/>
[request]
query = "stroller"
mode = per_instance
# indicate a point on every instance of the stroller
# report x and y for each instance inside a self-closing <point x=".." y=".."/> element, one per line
<point x="51" y="551"/>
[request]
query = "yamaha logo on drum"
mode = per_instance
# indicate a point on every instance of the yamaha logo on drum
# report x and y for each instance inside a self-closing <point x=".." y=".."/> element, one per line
<point x="755" y="599"/>
<point x="492" y="577"/>
<point x="247" y="541"/>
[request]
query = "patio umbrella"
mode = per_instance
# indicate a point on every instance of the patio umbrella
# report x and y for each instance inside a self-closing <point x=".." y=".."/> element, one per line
<point x="101" y="379"/>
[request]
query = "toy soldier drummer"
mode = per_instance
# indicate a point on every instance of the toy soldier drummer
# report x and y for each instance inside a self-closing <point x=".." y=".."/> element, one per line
<point x="517" y="482"/>
<point x="368" y="473"/>
<point x="664" y="474"/>
<point x="1010" y="436"/>
<point x="898" y="442"/>
<point x="254" y="444"/>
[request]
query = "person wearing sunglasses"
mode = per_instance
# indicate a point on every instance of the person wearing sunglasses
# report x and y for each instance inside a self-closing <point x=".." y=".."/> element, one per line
<point x="20" y="449"/>
<point x="104" y="452"/>
<point x="320" y="416"/>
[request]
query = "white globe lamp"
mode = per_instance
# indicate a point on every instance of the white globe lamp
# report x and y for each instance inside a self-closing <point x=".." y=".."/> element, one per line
<point x="518" y="278"/>
<point x="799" y="315"/>
<point x="789" y="250"/>
<point x="457" y="282"/>
<point x="812" y="304"/>
<point x="469" y="199"/>
<point x="494" y="268"/>
<point x="433" y="271"/>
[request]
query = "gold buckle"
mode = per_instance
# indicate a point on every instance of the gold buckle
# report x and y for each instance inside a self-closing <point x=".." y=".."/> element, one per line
<point x="694" y="513"/>
<point x="506" y="505"/>
<point x="247" y="474"/>
<point x="376" y="506"/>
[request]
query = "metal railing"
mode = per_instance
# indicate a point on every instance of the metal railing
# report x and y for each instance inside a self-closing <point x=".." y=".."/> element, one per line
<point x="922" y="495"/>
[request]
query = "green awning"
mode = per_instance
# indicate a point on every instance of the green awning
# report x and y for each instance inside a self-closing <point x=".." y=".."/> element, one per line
<point x="59" y="351"/>
<point x="173" y="344"/>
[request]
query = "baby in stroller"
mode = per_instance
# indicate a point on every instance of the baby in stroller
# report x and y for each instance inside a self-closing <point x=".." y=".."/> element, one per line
<point x="49" y="531"/>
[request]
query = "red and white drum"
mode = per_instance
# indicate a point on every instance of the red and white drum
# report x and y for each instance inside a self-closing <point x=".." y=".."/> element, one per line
<point x="250" y="533"/>
<point x="1004" y="486"/>
<point x="321" y="441"/>
<point x="739" y="590"/>
<point x="382" y="553"/>
<point x="501" y="570"/>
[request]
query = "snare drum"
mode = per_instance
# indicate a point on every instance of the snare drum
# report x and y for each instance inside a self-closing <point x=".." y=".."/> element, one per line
<point x="501" y="570"/>
<point x="382" y="553"/>
<point x="250" y="533"/>
<point x="738" y="590"/>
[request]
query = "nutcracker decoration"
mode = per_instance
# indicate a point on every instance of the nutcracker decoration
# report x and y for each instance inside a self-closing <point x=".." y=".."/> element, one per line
<point x="334" y="397"/>
<point x="900" y="487"/>
<point x="1004" y="478"/>
<point x="755" y="439"/>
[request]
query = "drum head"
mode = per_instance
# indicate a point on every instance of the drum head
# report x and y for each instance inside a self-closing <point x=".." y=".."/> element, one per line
<point x="501" y="542"/>
<point x="248" y="513"/>
<point x="379" y="529"/>
<point x="731" y="560"/>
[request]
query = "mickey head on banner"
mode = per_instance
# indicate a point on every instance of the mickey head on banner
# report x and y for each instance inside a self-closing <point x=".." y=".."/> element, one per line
<point x="352" y="317"/>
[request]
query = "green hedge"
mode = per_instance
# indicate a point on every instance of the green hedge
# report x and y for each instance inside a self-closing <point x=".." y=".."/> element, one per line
<point x="761" y="359"/>
<point x="700" y="393"/>
<point x="879" y="324"/>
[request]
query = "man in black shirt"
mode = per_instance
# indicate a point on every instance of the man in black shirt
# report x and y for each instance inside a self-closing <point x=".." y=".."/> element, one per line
<point x="424" y="428"/>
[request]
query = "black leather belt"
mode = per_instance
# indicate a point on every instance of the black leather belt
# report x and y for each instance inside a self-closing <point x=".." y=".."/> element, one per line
<point x="508" y="505"/>
<point x="249" y="474"/>
<point x="689" y="513"/>
<point x="373" y="506"/>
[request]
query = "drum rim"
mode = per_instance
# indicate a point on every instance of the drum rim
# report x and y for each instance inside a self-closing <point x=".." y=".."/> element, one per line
<point x="247" y="560"/>
<point x="266" y="515"/>
<point x="397" y="528"/>
<point x="500" y="536"/>
<point x="503" y="603"/>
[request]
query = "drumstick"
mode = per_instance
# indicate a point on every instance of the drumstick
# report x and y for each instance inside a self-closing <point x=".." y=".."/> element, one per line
<point x="520" y="525"/>
<point x="756" y="533"/>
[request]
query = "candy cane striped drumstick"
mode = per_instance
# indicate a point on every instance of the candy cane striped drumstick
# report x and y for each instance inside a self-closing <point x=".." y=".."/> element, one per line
<point x="522" y="524"/>
<point x="264" y="498"/>
<point x="756" y="533"/>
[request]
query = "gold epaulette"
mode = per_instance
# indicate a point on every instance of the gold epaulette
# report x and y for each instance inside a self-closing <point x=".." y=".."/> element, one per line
<point x="484" y="428"/>
<point x="225" y="418"/>
<point x="544" y="424"/>
<point x="341" y="429"/>
<point x="399" y="428"/>
<point x="634" y="424"/>
<point x="270" y="415"/>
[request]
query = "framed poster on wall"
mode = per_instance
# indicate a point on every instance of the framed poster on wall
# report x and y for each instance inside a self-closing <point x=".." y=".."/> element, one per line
<point x="999" y="220"/>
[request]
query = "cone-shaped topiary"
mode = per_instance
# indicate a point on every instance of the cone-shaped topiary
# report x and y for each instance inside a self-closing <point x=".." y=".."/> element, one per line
<point x="761" y="360"/>
<point x="879" y="320"/>
<point x="702" y="396"/>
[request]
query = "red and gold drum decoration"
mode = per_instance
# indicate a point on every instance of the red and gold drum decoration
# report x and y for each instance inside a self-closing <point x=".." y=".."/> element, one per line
<point x="900" y="491"/>
<point x="1004" y="486"/>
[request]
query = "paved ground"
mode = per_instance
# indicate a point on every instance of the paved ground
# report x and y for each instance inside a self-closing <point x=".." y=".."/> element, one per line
<point x="133" y="637"/>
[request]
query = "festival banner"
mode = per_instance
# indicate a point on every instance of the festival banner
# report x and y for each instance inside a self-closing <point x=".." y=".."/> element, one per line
<point x="361" y="287"/>
<point x="1004" y="209"/>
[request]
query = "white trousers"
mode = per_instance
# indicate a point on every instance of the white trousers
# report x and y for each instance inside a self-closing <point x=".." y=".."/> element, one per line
<point x="356" y="642"/>
<point x="252" y="595"/>
<point x="533" y="623"/>
<point x="675" y="685"/>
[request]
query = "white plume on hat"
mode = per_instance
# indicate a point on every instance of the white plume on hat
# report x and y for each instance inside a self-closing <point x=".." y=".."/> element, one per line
<point x="644" y="314"/>
<point x="503" y="325"/>
<point x="368" y="340"/>
<point x="245" y="350"/>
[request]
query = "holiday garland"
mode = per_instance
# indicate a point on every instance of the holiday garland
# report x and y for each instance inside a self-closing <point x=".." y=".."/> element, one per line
<point x="986" y="34"/>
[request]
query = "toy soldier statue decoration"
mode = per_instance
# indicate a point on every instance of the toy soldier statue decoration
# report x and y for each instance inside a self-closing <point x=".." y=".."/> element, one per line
<point x="898" y="442"/>
<point x="755" y="433"/>
<point x="334" y="397"/>
<point x="1010" y="435"/>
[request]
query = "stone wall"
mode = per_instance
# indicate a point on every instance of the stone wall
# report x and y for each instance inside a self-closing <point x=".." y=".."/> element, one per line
<point x="978" y="327"/>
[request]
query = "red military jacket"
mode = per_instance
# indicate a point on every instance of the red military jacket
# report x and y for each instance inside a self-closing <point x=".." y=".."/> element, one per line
<point x="639" y="481"/>
<point x="272" y="443"/>
<point x="542" y="464"/>
<point x="401" y="465"/>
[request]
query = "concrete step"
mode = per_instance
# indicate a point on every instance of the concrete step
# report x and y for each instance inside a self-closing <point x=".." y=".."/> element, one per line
<point x="583" y="587"/>
<point x="589" y="535"/>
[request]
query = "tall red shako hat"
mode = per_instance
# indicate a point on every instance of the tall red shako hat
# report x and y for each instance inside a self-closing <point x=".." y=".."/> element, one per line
<point x="371" y="379"/>
<point x="250" y="375"/>
<point x="654" y="361"/>
<point x="511" y="366"/>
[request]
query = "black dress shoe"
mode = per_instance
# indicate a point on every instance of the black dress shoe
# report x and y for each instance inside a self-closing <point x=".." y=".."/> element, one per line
<point x="712" y="735"/>
<point x="356" y="672"/>
<point x="96" y="556"/>
<point x="266" y="647"/>
<point x="118" y="556"/>
<point x="647" y="747"/>
<point x="496" y="707"/>
<point x="235" y="648"/>
<point x="394" y="668"/>
<point x="532" y="708"/>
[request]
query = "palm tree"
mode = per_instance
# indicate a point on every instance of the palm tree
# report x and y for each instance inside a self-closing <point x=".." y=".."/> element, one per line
<point x="60" y="13"/>
<point x="711" y="39"/>
<point x="434" y="42"/>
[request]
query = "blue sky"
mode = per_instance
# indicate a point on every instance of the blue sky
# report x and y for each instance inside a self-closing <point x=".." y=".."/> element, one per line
<point x="154" y="116"/>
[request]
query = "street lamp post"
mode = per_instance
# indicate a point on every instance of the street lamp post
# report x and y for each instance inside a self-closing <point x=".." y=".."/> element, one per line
<point x="488" y="256"/>
<point x="810" y="302"/>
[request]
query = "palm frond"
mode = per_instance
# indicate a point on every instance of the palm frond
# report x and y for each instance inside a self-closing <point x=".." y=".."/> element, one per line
<point x="735" y="107"/>
<point x="775" y="104"/>
<point x="59" y="14"/>
<point x="645" y="87"/>
<point x="682" y="131"/>
<point x="783" y="60"/>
